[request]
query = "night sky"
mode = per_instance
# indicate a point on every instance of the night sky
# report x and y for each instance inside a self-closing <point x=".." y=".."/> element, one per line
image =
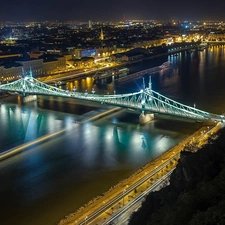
<point x="111" y="10"/>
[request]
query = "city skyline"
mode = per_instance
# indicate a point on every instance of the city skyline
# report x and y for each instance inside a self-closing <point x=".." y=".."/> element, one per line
<point x="111" y="10"/>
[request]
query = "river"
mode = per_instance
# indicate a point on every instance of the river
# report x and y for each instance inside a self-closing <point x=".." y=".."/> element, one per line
<point x="81" y="160"/>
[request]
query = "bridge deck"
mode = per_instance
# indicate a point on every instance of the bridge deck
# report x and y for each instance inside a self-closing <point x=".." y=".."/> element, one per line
<point x="144" y="100"/>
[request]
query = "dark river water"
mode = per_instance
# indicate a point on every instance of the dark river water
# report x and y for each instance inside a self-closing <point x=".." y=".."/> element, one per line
<point x="74" y="159"/>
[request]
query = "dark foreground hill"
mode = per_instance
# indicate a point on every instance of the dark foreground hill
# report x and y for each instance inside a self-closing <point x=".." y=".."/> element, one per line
<point x="196" y="194"/>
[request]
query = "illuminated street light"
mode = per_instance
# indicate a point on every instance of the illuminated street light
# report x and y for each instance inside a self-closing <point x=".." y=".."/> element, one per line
<point x="123" y="196"/>
<point x="85" y="220"/>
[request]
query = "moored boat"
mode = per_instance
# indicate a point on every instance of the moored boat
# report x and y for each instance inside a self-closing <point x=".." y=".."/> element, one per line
<point x="165" y="65"/>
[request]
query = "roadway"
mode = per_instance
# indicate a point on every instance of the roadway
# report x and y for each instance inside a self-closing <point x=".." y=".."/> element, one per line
<point x="131" y="196"/>
<point x="122" y="216"/>
<point x="75" y="74"/>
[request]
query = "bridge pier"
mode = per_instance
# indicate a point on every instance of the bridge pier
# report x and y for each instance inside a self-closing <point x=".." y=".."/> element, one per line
<point x="28" y="98"/>
<point x="144" y="118"/>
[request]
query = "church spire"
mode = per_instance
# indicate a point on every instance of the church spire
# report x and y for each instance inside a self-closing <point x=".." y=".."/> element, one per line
<point x="101" y="35"/>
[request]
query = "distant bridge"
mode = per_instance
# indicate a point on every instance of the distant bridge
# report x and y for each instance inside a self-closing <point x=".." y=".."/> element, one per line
<point x="215" y="42"/>
<point x="146" y="100"/>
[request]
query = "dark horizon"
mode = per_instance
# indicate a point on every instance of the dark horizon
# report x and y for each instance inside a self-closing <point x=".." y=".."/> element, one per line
<point x="111" y="10"/>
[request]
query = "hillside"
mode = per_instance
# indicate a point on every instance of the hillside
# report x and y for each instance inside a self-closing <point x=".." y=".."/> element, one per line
<point x="196" y="194"/>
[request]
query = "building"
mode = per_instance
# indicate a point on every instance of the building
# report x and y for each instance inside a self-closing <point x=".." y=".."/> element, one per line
<point x="11" y="69"/>
<point x="53" y="63"/>
<point x="149" y="43"/>
<point x="85" y="62"/>
<point x="10" y="72"/>
<point x="131" y="56"/>
<point x="105" y="51"/>
<point x="116" y="57"/>
<point x="90" y="24"/>
<point x="35" y="54"/>
<point x="216" y="36"/>
<point x="79" y="53"/>
<point x="35" y="64"/>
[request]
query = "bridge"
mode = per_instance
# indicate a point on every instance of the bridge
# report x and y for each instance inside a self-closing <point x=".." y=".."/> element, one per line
<point x="146" y="101"/>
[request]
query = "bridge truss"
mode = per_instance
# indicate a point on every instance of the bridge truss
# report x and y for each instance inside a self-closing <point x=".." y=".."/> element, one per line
<point x="145" y="100"/>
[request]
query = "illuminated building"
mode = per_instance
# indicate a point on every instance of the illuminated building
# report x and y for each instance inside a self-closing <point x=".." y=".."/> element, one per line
<point x="35" y="64"/>
<point x="90" y="24"/>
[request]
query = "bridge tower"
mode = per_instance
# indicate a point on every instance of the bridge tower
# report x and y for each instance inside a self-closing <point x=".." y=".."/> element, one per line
<point x="144" y="118"/>
<point x="25" y="97"/>
<point x="150" y="84"/>
<point x="23" y="83"/>
<point x="143" y="98"/>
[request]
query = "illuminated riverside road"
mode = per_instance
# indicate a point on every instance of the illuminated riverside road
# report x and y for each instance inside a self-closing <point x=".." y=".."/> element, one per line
<point x="55" y="177"/>
<point x="118" y="205"/>
<point x="122" y="217"/>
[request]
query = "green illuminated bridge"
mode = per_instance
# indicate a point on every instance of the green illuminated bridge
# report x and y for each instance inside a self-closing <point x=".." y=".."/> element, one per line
<point x="145" y="101"/>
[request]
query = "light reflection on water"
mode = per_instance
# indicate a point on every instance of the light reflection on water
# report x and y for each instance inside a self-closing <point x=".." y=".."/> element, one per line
<point x="54" y="177"/>
<point x="100" y="152"/>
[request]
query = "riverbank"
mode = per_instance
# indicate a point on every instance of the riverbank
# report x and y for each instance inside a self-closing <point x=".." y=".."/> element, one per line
<point x="196" y="191"/>
<point x="80" y="73"/>
<point x="97" y="202"/>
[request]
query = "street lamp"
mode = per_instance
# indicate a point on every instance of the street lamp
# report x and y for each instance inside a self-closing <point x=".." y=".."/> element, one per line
<point x="123" y="195"/>
<point x="85" y="219"/>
